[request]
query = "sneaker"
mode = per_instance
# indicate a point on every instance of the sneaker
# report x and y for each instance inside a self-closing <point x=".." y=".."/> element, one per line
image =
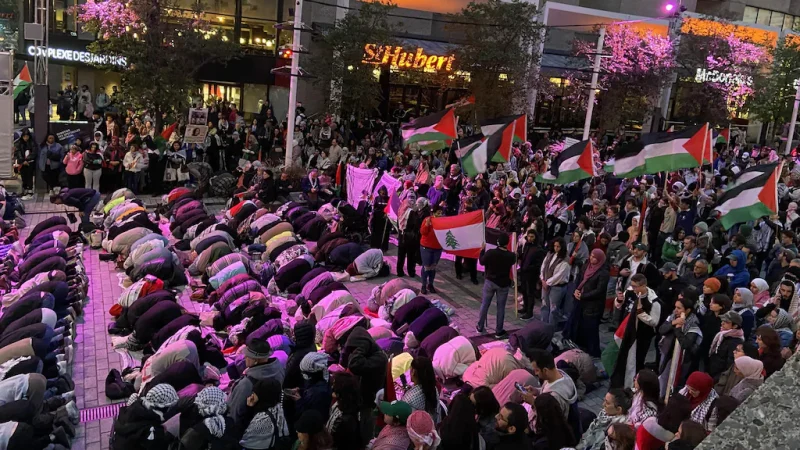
<point x="59" y="436"/>
<point x="78" y="307"/>
<point x="423" y="290"/>
<point x="480" y="330"/>
<point x="69" y="353"/>
<point x="431" y="289"/>
<point x="69" y="396"/>
<point x="72" y="411"/>
<point x="501" y="334"/>
<point x="526" y="317"/>
<point x="62" y="367"/>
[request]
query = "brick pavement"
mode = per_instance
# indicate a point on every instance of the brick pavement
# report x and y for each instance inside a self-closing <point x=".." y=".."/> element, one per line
<point x="95" y="356"/>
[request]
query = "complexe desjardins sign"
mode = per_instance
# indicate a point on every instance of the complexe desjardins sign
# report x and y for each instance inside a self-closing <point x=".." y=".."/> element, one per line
<point x="77" y="56"/>
<point x="399" y="58"/>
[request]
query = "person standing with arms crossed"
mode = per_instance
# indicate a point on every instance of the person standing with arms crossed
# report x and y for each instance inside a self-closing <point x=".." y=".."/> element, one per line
<point x="497" y="264"/>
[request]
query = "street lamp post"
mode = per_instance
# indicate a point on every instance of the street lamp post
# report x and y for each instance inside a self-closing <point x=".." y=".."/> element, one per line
<point x="794" y="121"/>
<point x="295" y="74"/>
<point x="587" y="123"/>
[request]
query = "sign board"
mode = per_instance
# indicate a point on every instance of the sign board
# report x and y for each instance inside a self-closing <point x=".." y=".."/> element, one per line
<point x="81" y="56"/>
<point x="67" y="131"/>
<point x="196" y="130"/>
<point x="715" y="76"/>
<point x="398" y="57"/>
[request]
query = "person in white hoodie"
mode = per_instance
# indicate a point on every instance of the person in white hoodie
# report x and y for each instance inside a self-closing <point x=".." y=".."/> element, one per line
<point x="453" y="358"/>
<point x="554" y="381"/>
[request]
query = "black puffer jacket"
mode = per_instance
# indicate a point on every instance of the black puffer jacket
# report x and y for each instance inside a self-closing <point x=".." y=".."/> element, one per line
<point x="362" y="356"/>
<point x="137" y="428"/>
<point x="304" y="333"/>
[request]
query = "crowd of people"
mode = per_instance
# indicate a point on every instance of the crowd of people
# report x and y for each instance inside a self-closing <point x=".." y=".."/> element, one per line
<point x="45" y="284"/>
<point x="289" y="358"/>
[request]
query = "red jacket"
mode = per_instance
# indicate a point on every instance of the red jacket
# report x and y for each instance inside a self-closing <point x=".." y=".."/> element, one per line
<point x="427" y="236"/>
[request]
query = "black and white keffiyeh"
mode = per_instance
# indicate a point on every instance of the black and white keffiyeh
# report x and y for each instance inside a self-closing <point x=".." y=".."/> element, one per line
<point x="315" y="362"/>
<point x="158" y="399"/>
<point x="211" y="404"/>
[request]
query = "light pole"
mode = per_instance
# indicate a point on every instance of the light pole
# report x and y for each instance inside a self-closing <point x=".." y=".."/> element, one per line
<point x="587" y="123"/>
<point x="794" y="121"/>
<point x="676" y="9"/>
<point x="296" y="48"/>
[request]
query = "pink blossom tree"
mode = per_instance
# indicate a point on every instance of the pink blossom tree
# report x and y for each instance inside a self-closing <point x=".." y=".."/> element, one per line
<point x="163" y="49"/>
<point x="635" y="66"/>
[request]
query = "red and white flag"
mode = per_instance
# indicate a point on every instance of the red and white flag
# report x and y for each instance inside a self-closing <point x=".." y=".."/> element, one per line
<point x="461" y="235"/>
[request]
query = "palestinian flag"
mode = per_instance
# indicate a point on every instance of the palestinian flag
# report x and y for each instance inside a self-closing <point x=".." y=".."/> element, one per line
<point x="439" y="126"/>
<point x="751" y="173"/>
<point x="473" y="154"/>
<point x="463" y="101"/>
<point x="461" y="235"/>
<point x="723" y="137"/>
<point x="167" y="133"/>
<point x="754" y="198"/>
<point x="518" y="132"/>
<point x="22" y="80"/>
<point x="572" y="164"/>
<point x="662" y="152"/>
<point x="392" y="207"/>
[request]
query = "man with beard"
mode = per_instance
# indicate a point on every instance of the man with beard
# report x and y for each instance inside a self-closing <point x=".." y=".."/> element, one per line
<point x="697" y="276"/>
<point x="511" y="423"/>
<point x="531" y="259"/>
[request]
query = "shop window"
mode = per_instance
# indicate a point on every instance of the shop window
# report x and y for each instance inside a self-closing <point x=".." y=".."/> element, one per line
<point x="220" y="6"/>
<point x="265" y="10"/>
<point x="763" y="16"/>
<point x="750" y="14"/>
<point x="776" y="19"/>
<point x="788" y="22"/>
<point x="224" y="92"/>
<point x="259" y="34"/>
<point x="62" y="19"/>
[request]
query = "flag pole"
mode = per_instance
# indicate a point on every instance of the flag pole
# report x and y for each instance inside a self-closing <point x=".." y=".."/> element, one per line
<point x="673" y="371"/>
<point x="516" y="279"/>
<point x="728" y="143"/>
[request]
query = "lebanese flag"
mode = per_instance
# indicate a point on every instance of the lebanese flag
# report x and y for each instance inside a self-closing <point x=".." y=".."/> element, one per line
<point x="662" y="152"/>
<point x="757" y="197"/>
<point x="572" y="164"/>
<point x="461" y="235"/>
<point x="440" y="126"/>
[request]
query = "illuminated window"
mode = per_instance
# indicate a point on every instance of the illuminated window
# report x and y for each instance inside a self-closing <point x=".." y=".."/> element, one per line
<point x="763" y="16"/>
<point x="776" y="19"/>
<point x="750" y="14"/>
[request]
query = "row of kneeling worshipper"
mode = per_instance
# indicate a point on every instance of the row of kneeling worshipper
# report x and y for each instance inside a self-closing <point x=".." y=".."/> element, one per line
<point x="44" y="285"/>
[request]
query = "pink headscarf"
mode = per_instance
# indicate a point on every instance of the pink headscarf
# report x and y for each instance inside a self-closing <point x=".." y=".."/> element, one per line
<point x="593" y="268"/>
<point x="750" y="368"/>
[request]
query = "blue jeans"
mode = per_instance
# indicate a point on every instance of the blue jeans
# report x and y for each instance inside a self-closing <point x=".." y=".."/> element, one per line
<point x="430" y="257"/>
<point x="489" y="290"/>
<point x="87" y="210"/>
<point x="553" y="299"/>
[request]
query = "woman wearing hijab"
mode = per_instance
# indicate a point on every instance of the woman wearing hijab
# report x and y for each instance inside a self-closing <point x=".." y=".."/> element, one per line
<point x="140" y="424"/>
<point x="752" y="373"/>
<point x="743" y="305"/>
<point x="735" y="270"/>
<point x="590" y="298"/>
<point x="268" y="427"/>
<point x="204" y="424"/>
<point x="760" y="289"/>
<point x="682" y="327"/>
<point x="700" y="391"/>
<point x="783" y="324"/>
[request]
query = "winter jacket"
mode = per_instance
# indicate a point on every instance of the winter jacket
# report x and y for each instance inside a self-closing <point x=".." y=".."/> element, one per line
<point x="722" y="359"/>
<point x="493" y="366"/>
<point x="451" y="359"/>
<point x="138" y="428"/>
<point x="363" y="358"/>
<point x="304" y="344"/>
<point x="741" y="277"/>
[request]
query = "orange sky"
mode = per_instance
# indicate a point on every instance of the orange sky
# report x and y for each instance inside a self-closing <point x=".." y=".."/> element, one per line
<point x="440" y="6"/>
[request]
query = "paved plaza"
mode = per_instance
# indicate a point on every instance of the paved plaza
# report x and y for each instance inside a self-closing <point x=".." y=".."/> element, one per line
<point x="95" y="355"/>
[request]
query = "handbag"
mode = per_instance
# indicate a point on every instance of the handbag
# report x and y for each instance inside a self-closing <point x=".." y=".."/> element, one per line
<point x="183" y="175"/>
<point x="170" y="175"/>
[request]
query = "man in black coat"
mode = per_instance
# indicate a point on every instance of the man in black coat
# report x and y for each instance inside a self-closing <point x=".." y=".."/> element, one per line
<point x="84" y="200"/>
<point x="531" y="258"/>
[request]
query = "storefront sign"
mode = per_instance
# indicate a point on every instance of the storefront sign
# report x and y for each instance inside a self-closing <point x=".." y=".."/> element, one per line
<point x="715" y="76"/>
<point x="77" y="56"/>
<point x="399" y="58"/>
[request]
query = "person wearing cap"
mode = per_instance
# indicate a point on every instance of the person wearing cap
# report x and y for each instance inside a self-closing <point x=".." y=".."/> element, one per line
<point x="261" y="365"/>
<point x="671" y="285"/>
<point x="724" y="344"/>
<point x="311" y="432"/>
<point x="682" y="327"/>
<point x="736" y="270"/>
<point x="394" y="436"/>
